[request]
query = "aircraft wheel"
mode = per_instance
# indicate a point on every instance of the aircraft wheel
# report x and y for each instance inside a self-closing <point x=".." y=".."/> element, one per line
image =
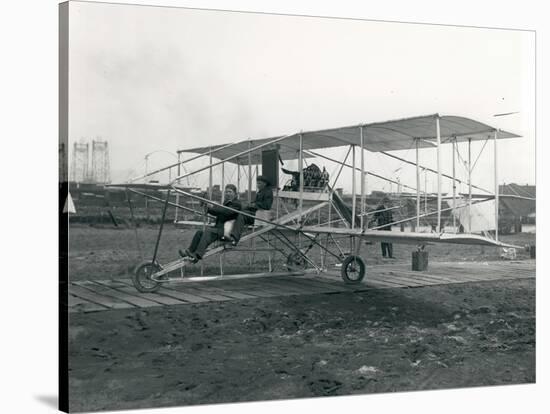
<point x="295" y="261"/>
<point x="353" y="269"/>
<point x="142" y="277"/>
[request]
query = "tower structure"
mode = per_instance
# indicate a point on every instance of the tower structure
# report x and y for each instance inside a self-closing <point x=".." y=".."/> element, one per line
<point x="101" y="167"/>
<point x="80" y="162"/>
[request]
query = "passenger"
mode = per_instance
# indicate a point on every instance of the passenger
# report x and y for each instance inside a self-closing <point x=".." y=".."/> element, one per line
<point x="263" y="201"/>
<point x="202" y="239"/>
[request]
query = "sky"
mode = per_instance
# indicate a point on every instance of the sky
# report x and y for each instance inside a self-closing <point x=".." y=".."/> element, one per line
<point x="155" y="80"/>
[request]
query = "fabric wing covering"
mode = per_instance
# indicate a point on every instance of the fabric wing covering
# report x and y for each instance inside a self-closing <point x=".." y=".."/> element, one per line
<point x="400" y="134"/>
<point x="477" y="219"/>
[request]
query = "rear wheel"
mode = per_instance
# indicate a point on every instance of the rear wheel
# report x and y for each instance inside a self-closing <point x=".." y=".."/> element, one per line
<point x="353" y="269"/>
<point x="295" y="262"/>
<point x="142" y="277"/>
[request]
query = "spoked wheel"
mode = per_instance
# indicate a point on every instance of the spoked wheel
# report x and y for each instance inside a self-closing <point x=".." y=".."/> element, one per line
<point x="295" y="261"/>
<point x="353" y="269"/>
<point x="142" y="277"/>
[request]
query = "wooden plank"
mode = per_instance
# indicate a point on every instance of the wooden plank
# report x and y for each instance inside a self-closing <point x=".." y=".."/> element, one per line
<point x="375" y="286"/>
<point x="187" y="297"/>
<point x="405" y="281"/>
<point x="422" y="276"/>
<point x="477" y="276"/>
<point x="276" y="290"/>
<point x="154" y="297"/>
<point x="332" y="285"/>
<point x="232" y="293"/>
<point x="106" y="290"/>
<point x="285" y="284"/>
<point x="371" y="280"/>
<point x="333" y="278"/>
<point x="254" y="287"/>
<point x="442" y="274"/>
<point x="499" y="267"/>
<point x="202" y="291"/>
<point x="76" y="304"/>
<point x="486" y="275"/>
<point x="384" y="284"/>
<point x="75" y="300"/>
<point x="100" y="299"/>
<point x="387" y="281"/>
<point x="418" y="276"/>
<point x="167" y="289"/>
<point x="314" y="287"/>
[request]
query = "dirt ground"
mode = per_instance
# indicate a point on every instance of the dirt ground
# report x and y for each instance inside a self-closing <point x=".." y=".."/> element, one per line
<point x="386" y="340"/>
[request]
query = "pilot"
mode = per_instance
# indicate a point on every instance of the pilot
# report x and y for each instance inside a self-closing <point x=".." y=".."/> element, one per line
<point x="202" y="239"/>
<point x="263" y="201"/>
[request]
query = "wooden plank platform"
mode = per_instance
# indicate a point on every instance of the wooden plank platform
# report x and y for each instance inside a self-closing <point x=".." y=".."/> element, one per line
<point x="101" y="295"/>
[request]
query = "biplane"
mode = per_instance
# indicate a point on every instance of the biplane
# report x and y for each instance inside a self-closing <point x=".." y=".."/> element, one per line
<point x="312" y="214"/>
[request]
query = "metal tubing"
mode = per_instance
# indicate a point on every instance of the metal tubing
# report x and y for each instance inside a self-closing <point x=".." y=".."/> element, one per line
<point x="162" y="201"/>
<point x="417" y="187"/>
<point x="428" y="214"/>
<point x="182" y="162"/>
<point x="425" y="192"/>
<point x="161" y="226"/>
<point x="469" y="185"/>
<point x="316" y="154"/>
<point x="438" y="134"/>
<point x="362" y="176"/>
<point x="450" y="177"/>
<point x="496" y="186"/>
<point x="341" y="168"/>
<point x="177" y="195"/>
<point x="353" y="201"/>
<point x="454" y="184"/>
<point x="210" y="177"/>
<point x="238" y="179"/>
<point x="132" y="217"/>
<point x="265" y="144"/>
<point x="301" y="170"/>
<point x="243" y="213"/>
<point x="249" y="173"/>
<point x="223" y="182"/>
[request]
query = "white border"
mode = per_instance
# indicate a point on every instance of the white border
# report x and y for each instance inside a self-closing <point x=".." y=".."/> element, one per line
<point x="29" y="126"/>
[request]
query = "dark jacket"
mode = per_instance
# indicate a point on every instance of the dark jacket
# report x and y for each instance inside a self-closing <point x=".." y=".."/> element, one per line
<point x="264" y="199"/>
<point x="295" y="186"/>
<point x="222" y="215"/>
<point x="383" y="217"/>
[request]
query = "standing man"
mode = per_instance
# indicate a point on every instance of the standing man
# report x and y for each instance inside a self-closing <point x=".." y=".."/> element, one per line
<point x="295" y="183"/>
<point x="202" y="239"/>
<point x="384" y="218"/>
<point x="263" y="201"/>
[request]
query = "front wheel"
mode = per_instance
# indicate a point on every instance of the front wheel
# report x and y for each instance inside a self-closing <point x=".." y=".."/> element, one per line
<point x="353" y="269"/>
<point x="142" y="277"/>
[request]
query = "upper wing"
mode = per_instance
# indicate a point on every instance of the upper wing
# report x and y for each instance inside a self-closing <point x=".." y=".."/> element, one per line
<point x="398" y="134"/>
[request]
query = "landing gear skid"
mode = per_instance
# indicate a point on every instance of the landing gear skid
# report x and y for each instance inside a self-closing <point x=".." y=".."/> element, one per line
<point x="353" y="269"/>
